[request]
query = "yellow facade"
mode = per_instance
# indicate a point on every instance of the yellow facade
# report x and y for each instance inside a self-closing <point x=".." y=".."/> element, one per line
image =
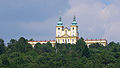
<point x="100" y="41"/>
<point x="65" y="35"/>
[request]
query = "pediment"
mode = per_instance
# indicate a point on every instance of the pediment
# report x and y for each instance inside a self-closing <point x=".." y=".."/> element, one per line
<point x="65" y="35"/>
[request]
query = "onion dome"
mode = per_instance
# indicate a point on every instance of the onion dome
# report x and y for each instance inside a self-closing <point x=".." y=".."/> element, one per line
<point x="59" y="23"/>
<point x="74" y="21"/>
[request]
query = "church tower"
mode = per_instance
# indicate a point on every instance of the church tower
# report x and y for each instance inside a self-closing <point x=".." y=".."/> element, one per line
<point x="74" y="28"/>
<point x="59" y="29"/>
<point x="74" y="31"/>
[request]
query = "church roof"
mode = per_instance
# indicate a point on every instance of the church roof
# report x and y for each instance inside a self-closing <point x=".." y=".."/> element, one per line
<point x="44" y="41"/>
<point x="74" y="21"/>
<point x="60" y="23"/>
<point x="95" y="40"/>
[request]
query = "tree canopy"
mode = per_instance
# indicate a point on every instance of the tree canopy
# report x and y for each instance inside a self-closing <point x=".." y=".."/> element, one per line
<point x="20" y="54"/>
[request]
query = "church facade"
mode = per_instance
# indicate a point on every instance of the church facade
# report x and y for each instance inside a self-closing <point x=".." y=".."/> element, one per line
<point x="66" y="35"/>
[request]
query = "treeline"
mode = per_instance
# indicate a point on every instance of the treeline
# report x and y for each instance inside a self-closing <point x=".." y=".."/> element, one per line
<point x="20" y="54"/>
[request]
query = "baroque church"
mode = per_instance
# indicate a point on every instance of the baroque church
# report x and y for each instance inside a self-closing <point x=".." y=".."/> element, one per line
<point x="65" y="35"/>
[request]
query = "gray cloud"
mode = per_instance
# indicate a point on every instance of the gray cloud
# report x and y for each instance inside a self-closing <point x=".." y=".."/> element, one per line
<point x="95" y="18"/>
<point x="38" y="18"/>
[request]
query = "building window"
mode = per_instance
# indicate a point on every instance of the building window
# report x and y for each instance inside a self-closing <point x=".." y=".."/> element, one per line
<point x="58" y="34"/>
<point x="73" y="33"/>
<point x="58" y="28"/>
<point x="63" y="40"/>
<point x="68" y="40"/>
<point x="73" y="28"/>
<point x="58" y="41"/>
<point x="72" y="40"/>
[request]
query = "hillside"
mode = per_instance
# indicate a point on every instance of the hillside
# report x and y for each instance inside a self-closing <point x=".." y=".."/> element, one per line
<point x="20" y="54"/>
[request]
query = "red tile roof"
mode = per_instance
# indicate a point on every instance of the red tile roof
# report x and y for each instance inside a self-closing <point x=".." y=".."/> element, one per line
<point x="44" y="41"/>
<point x="95" y="40"/>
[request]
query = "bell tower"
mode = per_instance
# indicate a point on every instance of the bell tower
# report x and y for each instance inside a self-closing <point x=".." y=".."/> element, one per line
<point x="74" y="28"/>
<point x="59" y="29"/>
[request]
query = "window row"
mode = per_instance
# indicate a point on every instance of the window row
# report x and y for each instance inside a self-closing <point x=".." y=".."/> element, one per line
<point x="72" y="28"/>
<point x="66" y="40"/>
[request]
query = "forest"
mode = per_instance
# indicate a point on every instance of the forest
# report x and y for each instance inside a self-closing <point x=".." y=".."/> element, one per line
<point x="20" y="54"/>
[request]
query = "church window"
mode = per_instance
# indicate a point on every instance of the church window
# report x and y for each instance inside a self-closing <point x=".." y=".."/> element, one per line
<point x="58" y="28"/>
<point x="63" y="40"/>
<point x="58" y="35"/>
<point x="58" y="41"/>
<point x="73" y="33"/>
<point x="73" y="28"/>
<point x="72" y="40"/>
<point x="68" y="40"/>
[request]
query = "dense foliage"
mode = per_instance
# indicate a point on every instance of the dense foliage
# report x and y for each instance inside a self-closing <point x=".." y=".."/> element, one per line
<point x="20" y="54"/>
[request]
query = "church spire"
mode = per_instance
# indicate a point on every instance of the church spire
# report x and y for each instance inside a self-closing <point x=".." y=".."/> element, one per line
<point x="60" y="19"/>
<point x="74" y="21"/>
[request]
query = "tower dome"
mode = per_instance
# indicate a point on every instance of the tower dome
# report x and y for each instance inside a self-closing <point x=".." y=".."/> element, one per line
<point x="74" y="21"/>
<point x="60" y="22"/>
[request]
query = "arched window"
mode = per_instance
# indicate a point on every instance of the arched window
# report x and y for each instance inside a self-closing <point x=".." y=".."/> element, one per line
<point x="73" y="33"/>
<point x="58" y="28"/>
<point x="68" y="40"/>
<point x="73" y="28"/>
<point x="63" y="40"/>
<point x="58" y="34"/>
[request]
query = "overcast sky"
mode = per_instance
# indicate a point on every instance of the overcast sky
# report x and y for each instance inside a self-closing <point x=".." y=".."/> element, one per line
<point x="37" y="19"/>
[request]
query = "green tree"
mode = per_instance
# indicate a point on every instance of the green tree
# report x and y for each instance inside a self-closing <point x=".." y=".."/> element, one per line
<point x="82" y="48"/>
<point x="11" y="46"/>
<point x="21" y="45"/>
<point x="5" y="61"/>
<point x="96" y="45"/>
<point x="49" y="44"/>
<point x="2" y="46"/>
<point x="31" y="39"/>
